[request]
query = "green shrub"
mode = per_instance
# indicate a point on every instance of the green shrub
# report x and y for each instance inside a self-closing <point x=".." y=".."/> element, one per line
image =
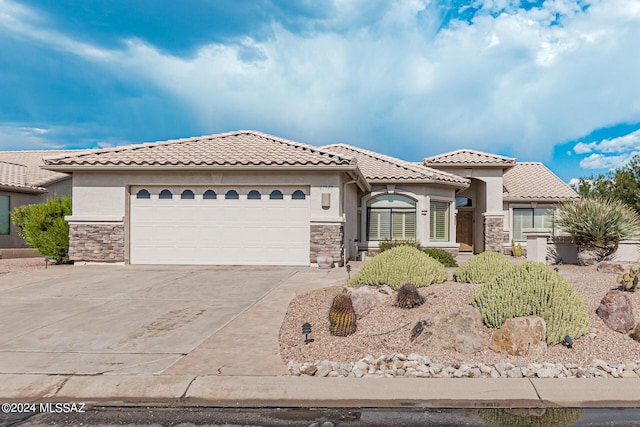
<point x="482" y="268"/>
<point x="444" y="257"/>
<point x="43" y="227"/>
<point x="387" y="244"/>
<point x="398" y="266"/>
<point x="533" y="289"/>
<point x="598" y="225"/>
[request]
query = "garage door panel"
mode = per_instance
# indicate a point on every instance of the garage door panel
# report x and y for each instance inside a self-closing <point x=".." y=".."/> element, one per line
<point x="218" y="231"/>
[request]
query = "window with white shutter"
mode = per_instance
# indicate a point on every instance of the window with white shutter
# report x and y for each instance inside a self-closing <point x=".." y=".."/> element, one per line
<point x="391" y="217"/>
<point x="530" y="218"/>
<point x="439" y="221"/>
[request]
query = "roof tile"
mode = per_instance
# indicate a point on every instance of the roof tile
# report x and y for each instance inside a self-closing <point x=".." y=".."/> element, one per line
<point x="378" y="167"/>
<point x="249" y="148"/>
<point x="533" y="180"/>
<point x="22" y="169"/>
<point x="468" y="157"/>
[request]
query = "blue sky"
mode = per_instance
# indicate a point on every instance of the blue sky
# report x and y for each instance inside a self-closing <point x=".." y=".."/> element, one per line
<point x="555" y="81"/>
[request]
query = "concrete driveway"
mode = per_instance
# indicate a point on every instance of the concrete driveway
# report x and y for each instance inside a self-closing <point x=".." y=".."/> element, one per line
<point x="121" y="319"/>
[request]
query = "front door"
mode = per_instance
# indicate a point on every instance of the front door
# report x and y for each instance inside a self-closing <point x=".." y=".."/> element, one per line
<point x="464" y="230"/>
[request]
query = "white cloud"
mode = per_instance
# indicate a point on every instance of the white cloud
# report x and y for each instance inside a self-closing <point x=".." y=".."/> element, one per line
<point x="600" y="161"/>
<point x="573" y="182"/>
<point x="508" y="80"/>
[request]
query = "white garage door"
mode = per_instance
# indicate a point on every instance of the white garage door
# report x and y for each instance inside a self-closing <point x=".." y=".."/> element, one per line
<point x="219" y="225"/>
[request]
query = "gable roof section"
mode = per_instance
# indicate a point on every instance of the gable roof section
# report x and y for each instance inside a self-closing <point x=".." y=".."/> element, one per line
<point x="240" y="148"/>
<point x="534" y="181"/>
<point x="380" y="168"/>
<point x="468" y="157"/>
<point x="20" y="170"/>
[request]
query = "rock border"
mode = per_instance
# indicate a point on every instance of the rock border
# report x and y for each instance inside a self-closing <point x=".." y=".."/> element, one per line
<point x="418" y="366"/>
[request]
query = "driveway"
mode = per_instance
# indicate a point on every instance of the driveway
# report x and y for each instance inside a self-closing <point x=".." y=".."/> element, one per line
<point x="121" y="319"/>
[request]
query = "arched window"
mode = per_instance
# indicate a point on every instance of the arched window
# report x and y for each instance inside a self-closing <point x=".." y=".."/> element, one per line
<point x="232" y="195"/>
<point x="187" y="194"/>
<point x="254" y="195"/>
<point x="209" y="194"/>
<point x="143" y="194"/>
<point x="463" y="202"/>
<point x="391" y="217"/>
<point x="276" y="195"/>
<point x="165" y="194"/>
<point x="298" y="195"/>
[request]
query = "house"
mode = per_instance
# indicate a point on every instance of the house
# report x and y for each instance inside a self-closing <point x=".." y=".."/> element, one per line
<point x="23" y="182"/>
<point x="250" y="198"/>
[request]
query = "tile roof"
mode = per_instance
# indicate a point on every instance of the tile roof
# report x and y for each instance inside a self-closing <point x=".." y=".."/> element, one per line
<point x="240" y="148"/>
<point x="533" y="180"/>
<point x="378" y="167"/>
<point x="21" y="169"/>
<point x="468" y="157"/>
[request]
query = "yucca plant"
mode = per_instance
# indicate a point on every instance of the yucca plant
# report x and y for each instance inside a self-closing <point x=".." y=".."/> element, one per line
<point x="597" y="226"/>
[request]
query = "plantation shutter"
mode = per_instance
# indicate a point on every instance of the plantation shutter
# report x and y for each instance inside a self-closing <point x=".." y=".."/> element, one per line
<point x="439" y="218"/>
<point x="403" y="224"/>
<point x="379" y="224"/>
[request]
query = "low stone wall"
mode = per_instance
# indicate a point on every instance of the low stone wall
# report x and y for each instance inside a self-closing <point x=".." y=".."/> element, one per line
<point x="327" y="239"/>
<point x="96" y="242"/>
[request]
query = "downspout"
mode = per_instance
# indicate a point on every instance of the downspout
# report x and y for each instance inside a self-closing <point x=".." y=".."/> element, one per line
<point x="344" y="187"/>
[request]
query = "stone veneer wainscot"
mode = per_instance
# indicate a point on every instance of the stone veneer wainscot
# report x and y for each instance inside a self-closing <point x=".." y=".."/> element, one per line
<point x="96" y="242"/>
<point x="494" y="235"/>
<point x="327" y="239"/>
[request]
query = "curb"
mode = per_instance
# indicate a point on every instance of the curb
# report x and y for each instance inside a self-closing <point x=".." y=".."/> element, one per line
<point x="288" y="391"/>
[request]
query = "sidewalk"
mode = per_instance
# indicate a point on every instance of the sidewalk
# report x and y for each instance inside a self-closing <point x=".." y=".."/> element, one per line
<point x="240" y="367"/>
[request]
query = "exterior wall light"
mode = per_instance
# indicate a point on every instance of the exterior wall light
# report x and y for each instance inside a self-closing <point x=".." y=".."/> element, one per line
<point x="326" y="200"/>
<point x="306" y="330"/>
<point x="568" y="341"/>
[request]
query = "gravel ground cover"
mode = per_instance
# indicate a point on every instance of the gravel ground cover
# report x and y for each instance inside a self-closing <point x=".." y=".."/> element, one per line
<point x="385" y="331"/>
<point x="25" y="265"/>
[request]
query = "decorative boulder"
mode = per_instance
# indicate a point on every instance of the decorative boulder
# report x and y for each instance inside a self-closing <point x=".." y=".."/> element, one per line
<point x="521" y="336"/>
<point x="587" y="256"/>
<point x="459" y="330"/>
<point x="367" y="298"/>
<point x="616" y="311"/>
<point x="613" y="267"/>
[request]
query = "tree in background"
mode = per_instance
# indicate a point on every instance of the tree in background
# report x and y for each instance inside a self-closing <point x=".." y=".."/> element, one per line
<point x="43" y="227"/>
<point x="622" y="184"/>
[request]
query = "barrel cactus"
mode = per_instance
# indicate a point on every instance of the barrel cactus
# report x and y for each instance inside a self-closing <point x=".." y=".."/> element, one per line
<point x="482" y="268"/>
<point x="398" y="266"/>
<point x="533" y="289"/>
<point x="342" y="316"/>
<point x="408" y="296"/>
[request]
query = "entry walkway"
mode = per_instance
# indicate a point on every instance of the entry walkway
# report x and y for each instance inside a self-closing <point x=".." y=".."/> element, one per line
<point x="249" y="345"/>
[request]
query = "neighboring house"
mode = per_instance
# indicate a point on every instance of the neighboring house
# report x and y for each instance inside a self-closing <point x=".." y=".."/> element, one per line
<point x="23" y="182"/>
<point x="249" y="198"/>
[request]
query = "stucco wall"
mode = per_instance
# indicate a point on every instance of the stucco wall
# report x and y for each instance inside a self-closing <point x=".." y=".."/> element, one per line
<point x="423" y="194"/>
<point x="350" y="208"/>
<point x="102" y="198"/>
